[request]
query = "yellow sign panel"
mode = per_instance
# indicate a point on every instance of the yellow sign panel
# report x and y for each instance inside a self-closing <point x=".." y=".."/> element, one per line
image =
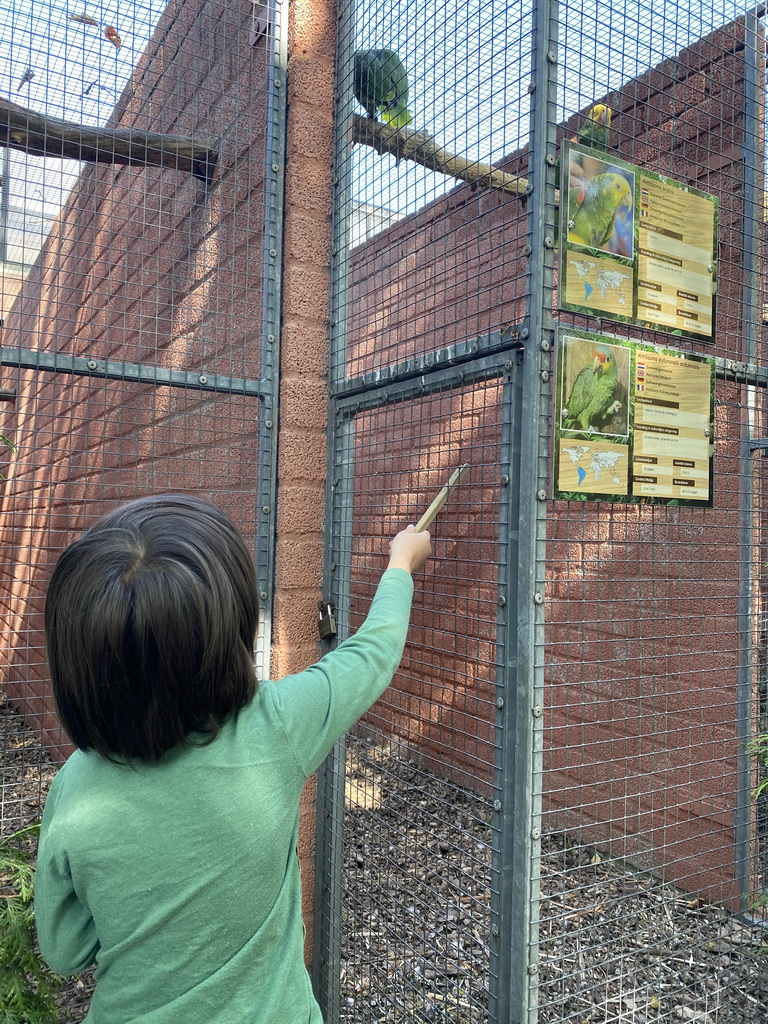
<point x="634" y="422"/>
<point x="672" y="426"/>
<point x="675" y="257"/>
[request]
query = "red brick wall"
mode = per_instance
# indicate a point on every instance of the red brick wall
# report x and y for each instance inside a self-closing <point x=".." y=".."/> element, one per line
<point x="144" y="265"/>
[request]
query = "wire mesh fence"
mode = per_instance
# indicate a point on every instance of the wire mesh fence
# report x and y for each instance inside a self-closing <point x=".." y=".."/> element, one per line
<point x="139" y="265"/>
<point x="550" y="815"/>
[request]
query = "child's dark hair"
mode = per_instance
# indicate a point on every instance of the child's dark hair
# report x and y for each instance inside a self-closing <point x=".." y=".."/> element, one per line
<point x="150" y="620"/>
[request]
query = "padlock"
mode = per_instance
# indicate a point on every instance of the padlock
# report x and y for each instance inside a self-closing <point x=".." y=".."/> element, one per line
<point x="327" y="624"/>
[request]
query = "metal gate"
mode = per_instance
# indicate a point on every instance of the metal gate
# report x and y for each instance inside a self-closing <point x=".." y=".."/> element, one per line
<point x="548" y="816"/>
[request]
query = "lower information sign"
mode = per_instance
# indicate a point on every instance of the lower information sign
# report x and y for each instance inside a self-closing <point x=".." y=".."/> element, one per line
<point x="634" y="422"/>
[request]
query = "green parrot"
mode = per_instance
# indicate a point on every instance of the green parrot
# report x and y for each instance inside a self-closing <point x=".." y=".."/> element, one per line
<point x="381" y="86"/>
<point x="592" y="209"/>
<point x="593" y="396"/>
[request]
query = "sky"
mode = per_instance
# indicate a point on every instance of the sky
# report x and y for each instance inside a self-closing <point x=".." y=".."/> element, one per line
<point x="77" y="74"/>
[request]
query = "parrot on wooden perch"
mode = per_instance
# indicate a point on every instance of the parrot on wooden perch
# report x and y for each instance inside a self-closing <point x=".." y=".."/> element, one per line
<point x="381" y="86"/>
<point x="592" y="209"/>
<point x="595" y="133"/>
<point x="593" y="396"/>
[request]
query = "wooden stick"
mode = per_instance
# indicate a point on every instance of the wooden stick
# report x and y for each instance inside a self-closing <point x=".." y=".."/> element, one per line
<point x="426" y="520"/>
<point x="407" y="144"/>
<point x="421" y="148"/>
<point x="43" y="135"/>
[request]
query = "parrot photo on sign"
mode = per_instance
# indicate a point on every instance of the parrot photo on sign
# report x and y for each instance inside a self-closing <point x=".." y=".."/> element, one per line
<point x="593" y="400"/>
<point x="592" y="209"/>
<point x="381" y="86"/>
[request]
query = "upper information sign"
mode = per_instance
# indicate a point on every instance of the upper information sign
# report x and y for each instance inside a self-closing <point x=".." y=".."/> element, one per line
<point x="636" y="246"/>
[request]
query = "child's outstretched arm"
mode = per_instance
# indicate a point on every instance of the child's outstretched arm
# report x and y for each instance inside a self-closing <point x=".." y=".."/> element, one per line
<point x="317" y="706"/>
<point x="409" y="550"/>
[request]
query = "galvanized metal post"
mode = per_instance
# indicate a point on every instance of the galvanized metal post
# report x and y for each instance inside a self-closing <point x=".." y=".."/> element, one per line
<point x="343" y="188"/>
<point x="503" y="911"/>
<point x="753" y="204"/>
<point x="329" y="856"/>
<point x="520" y="810"/>
<point x="272" y="314"/>
<point x="5" y="203"/>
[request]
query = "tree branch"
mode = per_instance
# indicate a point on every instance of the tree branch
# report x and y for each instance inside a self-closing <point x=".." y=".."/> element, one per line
<point x="43" y="135"/>
<point x="406" y="144"/>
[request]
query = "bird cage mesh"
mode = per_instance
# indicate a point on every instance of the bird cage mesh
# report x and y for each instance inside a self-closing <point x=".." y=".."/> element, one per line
<point x="550" y="816"/>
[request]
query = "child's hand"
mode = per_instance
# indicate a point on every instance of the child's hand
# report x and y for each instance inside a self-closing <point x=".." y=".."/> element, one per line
<point x="409" y="550"/>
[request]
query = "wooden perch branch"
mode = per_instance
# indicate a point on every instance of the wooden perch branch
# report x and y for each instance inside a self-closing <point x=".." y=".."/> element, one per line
<point x="42" y="135"/>
<point x="406" y="144"/>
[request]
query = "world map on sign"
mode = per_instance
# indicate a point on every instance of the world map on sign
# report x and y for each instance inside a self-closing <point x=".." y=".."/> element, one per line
<point x="598" y="463"/>
<point x="610" y="284"/>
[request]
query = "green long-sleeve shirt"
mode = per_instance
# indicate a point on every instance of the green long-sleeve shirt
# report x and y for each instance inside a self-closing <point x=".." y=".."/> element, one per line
<point x="181" y="879"/>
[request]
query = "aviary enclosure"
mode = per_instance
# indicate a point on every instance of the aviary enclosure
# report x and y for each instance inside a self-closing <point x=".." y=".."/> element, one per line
<point x="550" y="816"/>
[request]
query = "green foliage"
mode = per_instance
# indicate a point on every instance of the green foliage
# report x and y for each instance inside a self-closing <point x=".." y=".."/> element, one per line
<point x="27" y="988"/>
<point x="8" y="444"/>
<point x="759" y="750"/>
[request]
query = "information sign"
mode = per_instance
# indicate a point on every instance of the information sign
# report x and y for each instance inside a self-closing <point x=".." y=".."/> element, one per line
<point x="636" y="246"/>
<point x="635" y="422"/>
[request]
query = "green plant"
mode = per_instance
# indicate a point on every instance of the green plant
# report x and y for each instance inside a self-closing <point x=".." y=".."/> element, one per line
<point x="8" y="444"/>
<point x="27" y="987"/>
<point x="759" y="751"/>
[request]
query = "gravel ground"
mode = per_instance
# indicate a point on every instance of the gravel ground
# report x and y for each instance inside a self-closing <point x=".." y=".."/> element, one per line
<point x="25" y="773"/>
<point x="616" y="946"/>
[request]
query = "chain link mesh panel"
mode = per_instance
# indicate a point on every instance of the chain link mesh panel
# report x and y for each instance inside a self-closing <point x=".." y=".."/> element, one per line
<point x="411" y="834"/>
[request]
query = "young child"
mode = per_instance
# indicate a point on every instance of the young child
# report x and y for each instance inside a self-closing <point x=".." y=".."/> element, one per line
<point x="168" y="846"/>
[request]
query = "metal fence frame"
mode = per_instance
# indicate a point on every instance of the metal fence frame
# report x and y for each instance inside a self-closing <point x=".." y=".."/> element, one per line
<point x="265" y="389"/>
<point x="529" y="345"/>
